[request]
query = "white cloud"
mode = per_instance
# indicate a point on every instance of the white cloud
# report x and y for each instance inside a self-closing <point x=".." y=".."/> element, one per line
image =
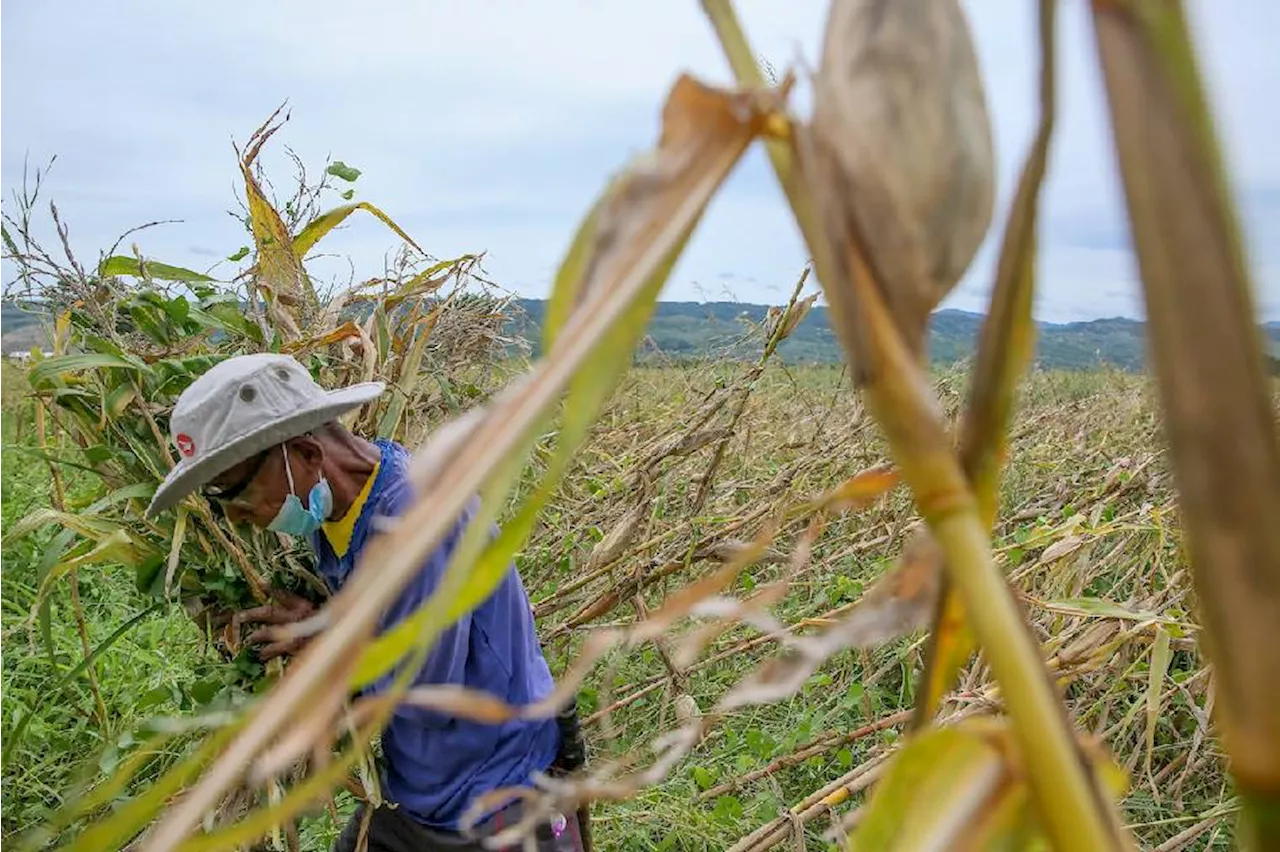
<point x="493" y="125"/>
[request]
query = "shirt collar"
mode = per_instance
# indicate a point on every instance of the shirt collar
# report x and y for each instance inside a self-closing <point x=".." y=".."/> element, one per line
<point x="339" y="532"/>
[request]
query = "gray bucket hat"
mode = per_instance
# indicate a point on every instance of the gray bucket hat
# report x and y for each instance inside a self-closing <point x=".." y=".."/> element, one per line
<point x="239" y="408"/>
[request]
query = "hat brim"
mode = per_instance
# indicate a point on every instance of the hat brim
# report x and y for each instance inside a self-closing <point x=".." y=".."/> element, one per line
<point x="187" y="477"/>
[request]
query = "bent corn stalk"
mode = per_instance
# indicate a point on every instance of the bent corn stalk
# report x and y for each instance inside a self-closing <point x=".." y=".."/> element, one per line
<point x="700" y="156"/>
<point x="1208" y="361"/>
<point x="1077" y="814"/>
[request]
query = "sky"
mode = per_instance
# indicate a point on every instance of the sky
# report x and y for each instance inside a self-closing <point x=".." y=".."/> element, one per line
<point x="493" y="126"/>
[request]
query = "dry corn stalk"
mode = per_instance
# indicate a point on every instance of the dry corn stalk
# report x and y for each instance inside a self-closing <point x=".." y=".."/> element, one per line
<point x="1209" y="363"/>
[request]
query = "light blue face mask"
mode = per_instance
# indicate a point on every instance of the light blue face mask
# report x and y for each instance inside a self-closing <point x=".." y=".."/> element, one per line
<point x="298" y="520"/>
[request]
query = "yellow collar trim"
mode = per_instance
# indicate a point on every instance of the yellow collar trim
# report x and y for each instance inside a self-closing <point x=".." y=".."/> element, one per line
<point x="339" y="532"/>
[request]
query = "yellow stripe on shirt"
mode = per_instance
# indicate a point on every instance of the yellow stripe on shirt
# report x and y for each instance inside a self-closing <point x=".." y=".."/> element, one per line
<point x="339" y="532"/>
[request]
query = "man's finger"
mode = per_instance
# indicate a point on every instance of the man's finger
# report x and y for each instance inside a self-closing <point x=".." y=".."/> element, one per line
<point x="267" y="614"/>
<point x="277" y="649"/>
<point x="262" y="636"/>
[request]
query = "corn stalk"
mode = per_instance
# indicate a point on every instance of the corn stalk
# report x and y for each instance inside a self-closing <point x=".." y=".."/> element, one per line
<point x="1076" y="812"/>
<point x="1211" y="372"/>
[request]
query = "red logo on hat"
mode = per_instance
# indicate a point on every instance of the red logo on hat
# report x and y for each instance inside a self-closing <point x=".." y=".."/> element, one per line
<point x="186" y="446"/>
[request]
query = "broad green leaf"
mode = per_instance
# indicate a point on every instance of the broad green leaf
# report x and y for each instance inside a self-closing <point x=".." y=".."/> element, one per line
<point x="118" y="400"/>
<point x="937" y="782"/>
<point x="178" y="309"/>
<point x="316" y="229"/>
<point x="52" y="368"/>
<point x="122" y="265"/>
<point x="588" y="392"/>
<point x="136" y="491"/>
<point x="341" y="170"/>
<point x="225" y="317"/>
<point x="118" y="547"/>
<point x="186" y="369"/>
<point x="90" y="526"/>
<point x="241" y="254"/>
<point x="568" y="282"/>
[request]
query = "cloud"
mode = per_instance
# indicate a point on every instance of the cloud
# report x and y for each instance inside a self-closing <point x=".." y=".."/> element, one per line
<point x="493" y="127"/>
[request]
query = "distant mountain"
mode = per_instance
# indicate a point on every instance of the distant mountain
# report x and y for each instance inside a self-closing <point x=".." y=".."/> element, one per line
<point x="694" y="329"/>
<point x="683" y="330"/>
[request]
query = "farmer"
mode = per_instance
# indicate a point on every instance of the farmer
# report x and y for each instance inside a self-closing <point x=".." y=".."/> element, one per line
<point x="259" y="439"/>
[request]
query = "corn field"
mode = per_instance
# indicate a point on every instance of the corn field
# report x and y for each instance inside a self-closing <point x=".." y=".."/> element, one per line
<point x="875" y="607"/>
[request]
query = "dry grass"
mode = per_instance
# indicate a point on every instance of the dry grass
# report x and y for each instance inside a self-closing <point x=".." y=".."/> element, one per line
<point x="1087" y="532"/>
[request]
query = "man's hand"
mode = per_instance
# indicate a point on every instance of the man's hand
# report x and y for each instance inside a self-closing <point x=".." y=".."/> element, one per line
<point x="286" y="608"/>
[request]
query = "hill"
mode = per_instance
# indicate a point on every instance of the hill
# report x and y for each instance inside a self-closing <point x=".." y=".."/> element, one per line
<point x="685" y="330"/>
<point x="693" y="329"/>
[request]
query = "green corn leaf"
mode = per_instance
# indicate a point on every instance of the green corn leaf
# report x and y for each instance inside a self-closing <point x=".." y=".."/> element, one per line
<point x="50" y="369"/>
<point x="588" y="391"/>
<point x="316" y="229"/>
<point x="118" y="400"/>
<point x="90" y="526"/>
<point x="568" y="281"/>
<point x="123" y="265"/>
<point x="225" y="317"/>
<point x="408" y="381"/>
<point x="136" y="491"/>
<point x="938" y="778"/>
<point x="1161" y="655"/>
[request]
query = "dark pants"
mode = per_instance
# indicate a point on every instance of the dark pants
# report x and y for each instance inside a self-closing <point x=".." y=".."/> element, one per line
<point x="392" y="830"/>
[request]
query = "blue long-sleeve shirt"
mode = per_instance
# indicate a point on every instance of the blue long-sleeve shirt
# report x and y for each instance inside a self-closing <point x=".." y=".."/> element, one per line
<point x="436" y="765"/>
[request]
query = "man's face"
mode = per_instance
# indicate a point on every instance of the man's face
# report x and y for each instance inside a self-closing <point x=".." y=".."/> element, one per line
<point x="256" y="488"/>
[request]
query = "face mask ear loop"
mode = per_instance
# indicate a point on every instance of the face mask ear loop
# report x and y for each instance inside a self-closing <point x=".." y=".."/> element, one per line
<point x="287" y="471"/>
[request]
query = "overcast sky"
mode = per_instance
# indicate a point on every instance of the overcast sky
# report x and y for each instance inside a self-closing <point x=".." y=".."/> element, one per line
<point x="492" y="126"/>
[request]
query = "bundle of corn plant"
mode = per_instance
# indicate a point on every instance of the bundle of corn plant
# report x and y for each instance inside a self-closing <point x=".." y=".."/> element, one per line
<point x="891" y="186"/>
<point x="129" y="335"/>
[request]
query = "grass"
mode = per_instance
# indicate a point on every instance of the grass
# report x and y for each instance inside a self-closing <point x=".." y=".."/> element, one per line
<point x="1087" y="512"/>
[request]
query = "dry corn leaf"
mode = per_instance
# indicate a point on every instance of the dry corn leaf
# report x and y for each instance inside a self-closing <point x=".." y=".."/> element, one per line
<point x="860" y="489"/>
<point x="704" y="134"/>
<point x="903" y="138"/>
<point x="1061" y="549"/>
<point x="278" y="273"/>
